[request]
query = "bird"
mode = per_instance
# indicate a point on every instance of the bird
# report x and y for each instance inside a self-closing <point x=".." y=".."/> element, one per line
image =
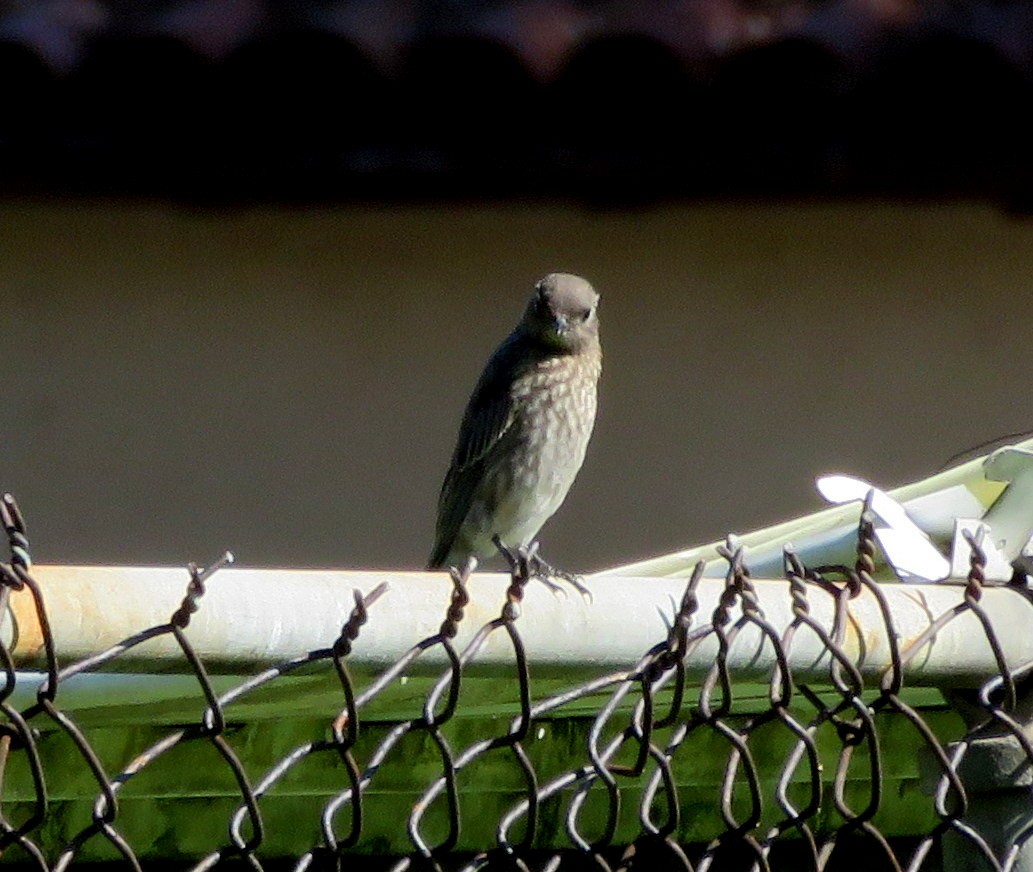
<point x="525" y="430"/>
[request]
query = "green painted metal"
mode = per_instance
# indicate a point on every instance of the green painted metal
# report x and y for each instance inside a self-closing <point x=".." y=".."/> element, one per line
<point x="179" y="806"/>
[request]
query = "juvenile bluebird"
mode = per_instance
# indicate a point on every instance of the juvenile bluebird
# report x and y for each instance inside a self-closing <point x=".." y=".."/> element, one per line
<point x="526" y="426"/>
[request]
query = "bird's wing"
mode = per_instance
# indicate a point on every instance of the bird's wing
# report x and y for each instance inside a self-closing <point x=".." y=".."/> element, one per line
<point x="488" y="415"/>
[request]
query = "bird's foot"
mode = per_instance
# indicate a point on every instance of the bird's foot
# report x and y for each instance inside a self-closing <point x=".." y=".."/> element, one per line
<point x="521" y="560"/>
<point x="546" y="572"/>
<point x="528" y="563"/>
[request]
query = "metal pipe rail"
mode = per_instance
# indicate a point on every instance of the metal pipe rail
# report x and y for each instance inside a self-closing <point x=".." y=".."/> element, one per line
<point x="252" y="618"/>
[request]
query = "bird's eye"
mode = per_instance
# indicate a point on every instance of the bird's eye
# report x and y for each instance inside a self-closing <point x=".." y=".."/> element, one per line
<point x="586" y="314"/>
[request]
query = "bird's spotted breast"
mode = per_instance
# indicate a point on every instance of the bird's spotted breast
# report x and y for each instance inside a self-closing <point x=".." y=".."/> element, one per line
<point x="557" y="403"/>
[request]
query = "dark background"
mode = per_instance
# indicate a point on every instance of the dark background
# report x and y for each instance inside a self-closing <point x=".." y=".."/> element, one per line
<point x="614" y="103"/>
<point x="253" y="256"/>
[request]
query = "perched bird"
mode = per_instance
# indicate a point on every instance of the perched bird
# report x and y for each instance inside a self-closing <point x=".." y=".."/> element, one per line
<point x="526" y="426"/>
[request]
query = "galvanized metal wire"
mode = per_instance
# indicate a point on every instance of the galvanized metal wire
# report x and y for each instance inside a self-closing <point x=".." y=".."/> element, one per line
<point x="616" y="800"/>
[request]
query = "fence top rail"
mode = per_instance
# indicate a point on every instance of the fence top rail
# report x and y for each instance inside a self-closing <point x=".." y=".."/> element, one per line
<point x="251" y="618"/>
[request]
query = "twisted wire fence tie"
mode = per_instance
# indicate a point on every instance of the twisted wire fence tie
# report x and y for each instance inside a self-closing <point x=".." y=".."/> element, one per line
<point x="344" y="726"/>
<point x="894" y="678"/>
<point x="1005" y="679"/>
<point x="851" y="576"/>
<point x="342" y="646"/>
<point x="799" y="576"/>
<point x="460" y="598"/>
<point x="749" y="603"/>
<point x="677" y="642"/>
<point x="843" y="672"/>
<point x="726" y="601"/>
<point x="719" y="673"/>
<point x="14" y="525"/>
<point x="866" y="545"/>
<point x="196" y="590"/>
<point x="976" y="578"/>
<point x="796" y="574"/>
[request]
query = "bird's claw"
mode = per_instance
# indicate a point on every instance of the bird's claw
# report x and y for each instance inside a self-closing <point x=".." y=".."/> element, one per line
<point x="527" y="562"/>
<point x="547" y="573"/>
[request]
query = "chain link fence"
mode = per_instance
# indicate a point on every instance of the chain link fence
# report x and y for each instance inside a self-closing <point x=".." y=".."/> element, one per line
<point x="649" y="767"/>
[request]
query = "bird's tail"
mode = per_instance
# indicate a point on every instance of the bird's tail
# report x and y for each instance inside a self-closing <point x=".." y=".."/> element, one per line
<point x="438" y="557"/>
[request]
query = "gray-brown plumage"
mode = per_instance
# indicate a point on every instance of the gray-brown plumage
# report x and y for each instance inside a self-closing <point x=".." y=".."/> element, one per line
<point x="526" y="427"/>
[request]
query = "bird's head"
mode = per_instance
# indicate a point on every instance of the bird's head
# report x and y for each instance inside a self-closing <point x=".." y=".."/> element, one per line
<point x="562" y="313"/>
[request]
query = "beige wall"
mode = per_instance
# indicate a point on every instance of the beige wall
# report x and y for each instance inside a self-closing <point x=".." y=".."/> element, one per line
<point x="287" y="383"/>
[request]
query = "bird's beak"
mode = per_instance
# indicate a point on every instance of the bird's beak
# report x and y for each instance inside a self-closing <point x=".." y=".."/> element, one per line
<point x="561" y="324"/>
